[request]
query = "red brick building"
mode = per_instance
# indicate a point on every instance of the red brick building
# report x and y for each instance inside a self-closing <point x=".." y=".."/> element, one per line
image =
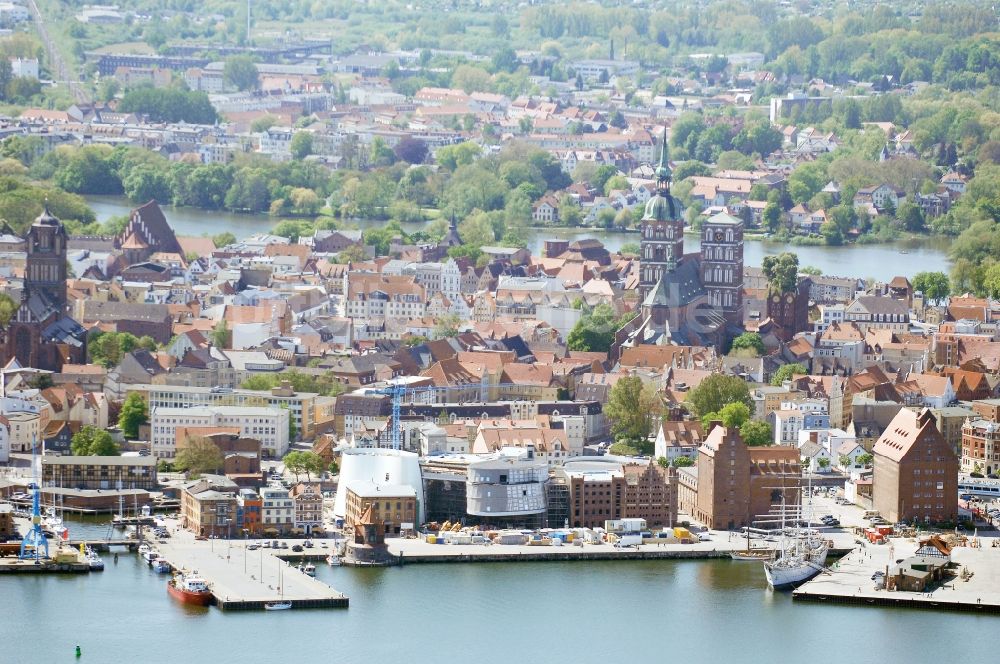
<point x="915" y="474"/>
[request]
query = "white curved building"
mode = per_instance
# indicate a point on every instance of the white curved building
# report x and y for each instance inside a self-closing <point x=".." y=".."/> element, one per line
<point x="380" y="467"/>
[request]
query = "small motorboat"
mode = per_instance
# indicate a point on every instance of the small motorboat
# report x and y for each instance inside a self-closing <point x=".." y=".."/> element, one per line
<point x="150" y="556"/>
<point x="309" y="570"/>
<point x="189" y="589"/>
<point x="277" y="606"/>
<point x="94" y="561"/>
<point x="333" y="559"/>
<point x="161" y="566"/>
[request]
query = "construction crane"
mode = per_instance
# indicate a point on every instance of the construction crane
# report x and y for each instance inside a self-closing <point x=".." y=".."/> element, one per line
<point x="399" y="392"/>
<point x="34" y="541"/>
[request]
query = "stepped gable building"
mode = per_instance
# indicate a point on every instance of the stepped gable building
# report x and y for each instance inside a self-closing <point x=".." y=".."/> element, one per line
<point x="41" y="334"/>
<point x="687" y="299"/>
<point x="146" y="233"/>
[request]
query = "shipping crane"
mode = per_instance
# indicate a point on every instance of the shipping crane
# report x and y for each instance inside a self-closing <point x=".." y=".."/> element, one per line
<point x="398" y="393"/>
<point x="34" y="541"/>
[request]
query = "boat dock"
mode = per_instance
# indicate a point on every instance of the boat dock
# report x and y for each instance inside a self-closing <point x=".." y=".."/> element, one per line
<point x="413" y="551"/>
<point x="850" y="580"/>
<point x="17" y="566"/>
<point x="242" y="580"/>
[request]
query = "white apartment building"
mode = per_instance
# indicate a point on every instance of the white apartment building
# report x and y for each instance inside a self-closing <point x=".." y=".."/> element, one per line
<point x="303" y="407"/>
<point x="268" y="425"/>
<point x="278" y="512"/>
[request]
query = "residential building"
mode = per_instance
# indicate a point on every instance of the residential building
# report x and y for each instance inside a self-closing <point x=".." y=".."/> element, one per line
<point x="277" y="511"/>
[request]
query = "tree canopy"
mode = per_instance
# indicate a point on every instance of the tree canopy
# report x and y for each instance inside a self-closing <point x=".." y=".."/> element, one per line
<point x="781" y="271"/>
<point x="91" y="441"/>
<point x="133" y="414"/>
<point x="716" y="392"/>
<point x="199" y="455"/>
<point x="631" y="409"/>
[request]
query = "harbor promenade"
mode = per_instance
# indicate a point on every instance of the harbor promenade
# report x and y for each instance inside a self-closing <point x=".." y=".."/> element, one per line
<point x="246" y="580"/>
<point x="411" y="551"/>
<point x="850" y="579"/>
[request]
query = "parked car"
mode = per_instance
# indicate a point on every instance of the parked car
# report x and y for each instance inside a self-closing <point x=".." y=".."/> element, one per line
<point x="297" y="548"/>
<point x="705" y="537"/>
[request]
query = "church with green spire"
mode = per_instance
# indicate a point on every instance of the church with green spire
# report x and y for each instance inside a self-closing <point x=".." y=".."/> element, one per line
<point x="687" y="299"/>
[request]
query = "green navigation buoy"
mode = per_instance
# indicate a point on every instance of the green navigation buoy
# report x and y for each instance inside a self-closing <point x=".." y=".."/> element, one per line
<point x="78" y="651"/>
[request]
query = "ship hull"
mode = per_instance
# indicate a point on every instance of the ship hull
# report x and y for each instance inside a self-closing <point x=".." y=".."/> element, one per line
<point x="202" y="598"/>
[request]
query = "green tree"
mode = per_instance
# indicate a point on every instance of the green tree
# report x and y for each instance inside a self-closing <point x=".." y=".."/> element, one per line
<point x="786" y="371"/>
<point x="7" y="309"/>
<point x="240" y="71"/>
<point x="133" y="414"/>
<point x="750" y="341"/>
<point x="771" y="217"/>
<point x="732" y="415"/>
<point x="716" y="391"/>
<point x="781" y="271"/>
<point x="911" y="217"/>
<point x="622" y="448"/>
<point x="220" y="334"/>
<point x="223" y="239"/>
<point x="199" y="455"/>
<point x="756" y="433"/>
<point x="865" y="459"/>
<point x="934" y="285"/>
<point x="683" y="462"/>
<point x="632" y="409"/>
<point x="301" y="145"/>
<point x="595" y="331"/>
<point x="91" y="441"/>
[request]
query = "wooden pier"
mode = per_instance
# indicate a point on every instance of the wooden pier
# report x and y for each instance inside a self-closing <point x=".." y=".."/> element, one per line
<point x="243" y="580"/>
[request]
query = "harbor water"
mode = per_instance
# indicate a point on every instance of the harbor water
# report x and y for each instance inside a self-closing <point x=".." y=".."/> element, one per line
<point x="581" y="612"/>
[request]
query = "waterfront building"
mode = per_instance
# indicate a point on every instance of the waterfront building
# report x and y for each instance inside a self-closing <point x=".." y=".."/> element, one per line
<point x="209" y="506"/>
<point x="249" y="508"/>
<point x="383" y="467"/>
<point x="308" y="507"/>
<point x="608" y="488"/>
<point x="99" y="472"/>
<point x="915" y="475"/>
<point x="508" y="489"/>
<point x="392" y="505"/>
<point x="733" y="485"/>
<point x="278" y="510"/>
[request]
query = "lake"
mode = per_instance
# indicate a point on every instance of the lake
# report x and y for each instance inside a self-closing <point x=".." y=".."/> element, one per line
<point x="879" y="261"/>
<point x="583" y="612"/>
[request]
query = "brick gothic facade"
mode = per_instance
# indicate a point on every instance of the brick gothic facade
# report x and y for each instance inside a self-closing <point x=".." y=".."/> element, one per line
<point x="735" y="484"/>
<point x="40" y="334"/>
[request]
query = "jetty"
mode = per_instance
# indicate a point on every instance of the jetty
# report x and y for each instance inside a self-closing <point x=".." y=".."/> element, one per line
<point x="414" y="551"/>
<point x="850" y="580"/>
<point x="242" y="580"/>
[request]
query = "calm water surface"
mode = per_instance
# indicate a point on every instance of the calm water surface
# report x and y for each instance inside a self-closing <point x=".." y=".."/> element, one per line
<point x="696" y="611"/>
<point x="880" y="261"/>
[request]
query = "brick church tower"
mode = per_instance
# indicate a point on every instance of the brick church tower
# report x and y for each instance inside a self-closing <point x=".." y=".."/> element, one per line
<point x="722" y="265"/>
<point x="662" y="244"/>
